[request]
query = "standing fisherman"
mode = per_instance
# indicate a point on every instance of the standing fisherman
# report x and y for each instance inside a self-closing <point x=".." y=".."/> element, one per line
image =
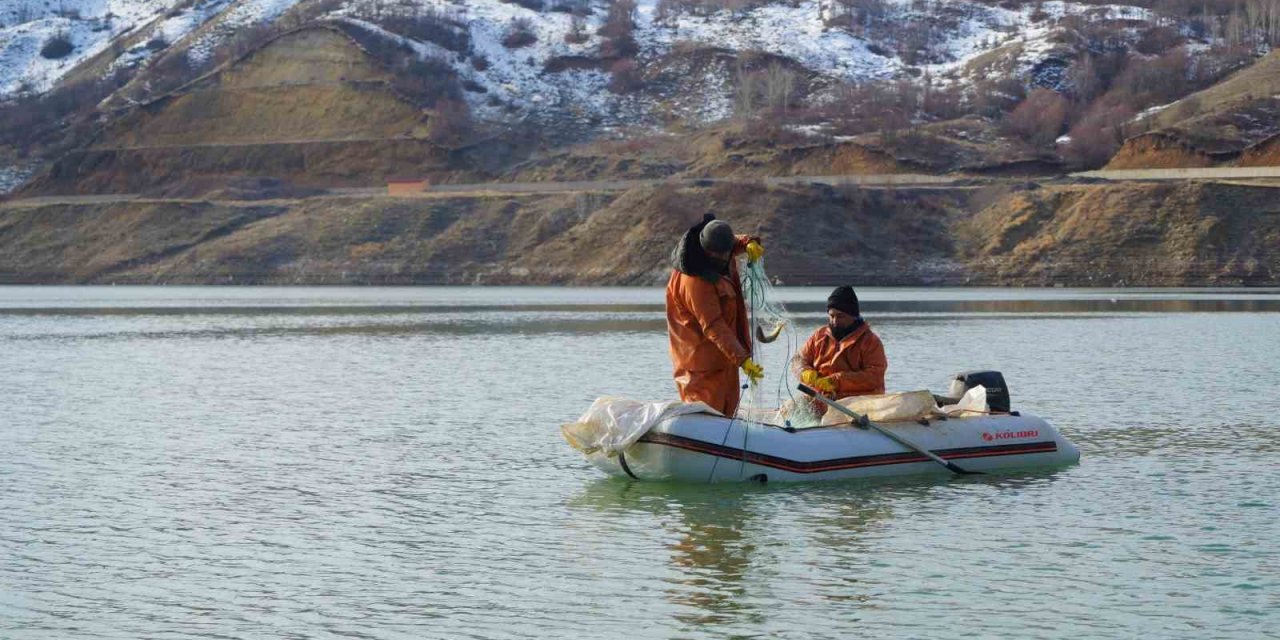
<point x="706" y="317"/>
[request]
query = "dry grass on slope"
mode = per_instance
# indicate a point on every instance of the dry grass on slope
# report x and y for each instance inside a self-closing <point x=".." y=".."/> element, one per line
<point x="1127" y="234"/>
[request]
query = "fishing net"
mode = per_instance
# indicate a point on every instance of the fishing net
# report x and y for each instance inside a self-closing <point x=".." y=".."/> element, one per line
<point x="774" y="398"/>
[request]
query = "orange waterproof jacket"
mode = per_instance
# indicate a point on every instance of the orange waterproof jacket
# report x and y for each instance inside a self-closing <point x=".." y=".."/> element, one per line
<point x="856" y="364"/>
<point x="706" y="319"/>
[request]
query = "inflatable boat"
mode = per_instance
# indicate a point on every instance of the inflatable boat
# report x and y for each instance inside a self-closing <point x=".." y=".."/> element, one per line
<point x="704" y="448"/>
<point x="700" y="447"/>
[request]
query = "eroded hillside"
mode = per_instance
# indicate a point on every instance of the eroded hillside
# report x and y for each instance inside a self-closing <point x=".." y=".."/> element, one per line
<point x="311" y="107"/>
<point x="1180" y="234"/>
<point x="1086" y="235"/>
<point x="1220" y="125"/>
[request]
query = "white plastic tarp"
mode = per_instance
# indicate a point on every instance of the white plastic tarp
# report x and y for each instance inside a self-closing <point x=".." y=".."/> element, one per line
<point x="909" y="406"/>
<point x="613" y="424"/>
<point x="888" y="407"/>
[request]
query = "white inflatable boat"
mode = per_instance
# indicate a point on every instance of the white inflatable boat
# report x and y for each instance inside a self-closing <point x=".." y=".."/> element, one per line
<point x="705" y="447"/>
<point x="701" y="447"/>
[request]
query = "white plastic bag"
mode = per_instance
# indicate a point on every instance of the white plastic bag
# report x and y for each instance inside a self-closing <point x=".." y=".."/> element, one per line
<point x="974" y="403"/>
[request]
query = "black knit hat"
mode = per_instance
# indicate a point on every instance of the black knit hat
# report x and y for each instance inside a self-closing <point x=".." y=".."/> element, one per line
<point x="844" y="299"/>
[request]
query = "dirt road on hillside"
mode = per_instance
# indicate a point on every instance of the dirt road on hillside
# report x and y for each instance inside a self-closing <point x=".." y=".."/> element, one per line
<point x="1213" y="173"/>
<point x="870" y="181"/>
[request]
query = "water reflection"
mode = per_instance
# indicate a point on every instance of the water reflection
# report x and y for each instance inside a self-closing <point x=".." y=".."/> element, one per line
<point x="711" y="548"/>
<point x="721" y="535"/>
<point x="722" y="541"/>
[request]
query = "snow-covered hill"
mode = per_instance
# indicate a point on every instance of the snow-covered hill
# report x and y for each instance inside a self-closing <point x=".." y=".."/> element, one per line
<point x="563" y="73"/>
<point x="92" y="26"/>
<point x="958" y="32"/>
<point x="516" y="80"/>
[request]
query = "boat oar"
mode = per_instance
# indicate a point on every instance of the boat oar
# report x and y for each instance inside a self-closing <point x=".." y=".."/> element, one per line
<point x="862" y="421"/>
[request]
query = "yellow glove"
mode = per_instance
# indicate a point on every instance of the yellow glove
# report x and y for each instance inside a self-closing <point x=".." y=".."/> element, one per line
<point x="754" y="371"/>
<point x="754" y="251"/>
<point x="825" y="385"/>
<point x="809" y="377"/>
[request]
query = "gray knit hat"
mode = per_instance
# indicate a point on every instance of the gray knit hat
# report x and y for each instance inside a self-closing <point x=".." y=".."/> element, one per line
<point x="717" y="237"/>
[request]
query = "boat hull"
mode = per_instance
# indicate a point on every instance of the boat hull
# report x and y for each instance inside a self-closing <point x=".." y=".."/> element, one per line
<point x="704" y="448"/>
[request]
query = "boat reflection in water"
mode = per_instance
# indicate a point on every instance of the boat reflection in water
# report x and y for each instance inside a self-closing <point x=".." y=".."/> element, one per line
<point x="729" y="546"/>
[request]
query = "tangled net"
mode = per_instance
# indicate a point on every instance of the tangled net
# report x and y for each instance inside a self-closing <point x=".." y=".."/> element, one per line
<point x="773" y="399"/>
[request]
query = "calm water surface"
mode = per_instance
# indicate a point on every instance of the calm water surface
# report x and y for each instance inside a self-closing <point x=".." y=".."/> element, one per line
<point x="385" y="463"/>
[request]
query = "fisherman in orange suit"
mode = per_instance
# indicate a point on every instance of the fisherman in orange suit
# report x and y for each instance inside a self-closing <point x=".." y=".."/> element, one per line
<point x="844" y="358"/>
<point x="706" y="317"/>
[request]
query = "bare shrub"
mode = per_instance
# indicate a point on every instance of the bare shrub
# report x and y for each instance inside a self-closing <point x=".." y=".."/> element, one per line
<point x="170" y="72"/>
<point x="1083" y="80"/>
<point x="620" y="21"/>
<point x="57" y="118"/>
<point x="746" y="99"/>
<point x="479" y="62"/>
<point x="1254" y="23"/>
<point x="1216" y="63"/>
<point x="862" y="108"/>
<point x="625" y="76"/>
<point x="428" y="25"/>
<point x="1098" y="135"/>
<point x="158" y="43"/>
<point x="428" y="82"/>
<point x="994" y="98"/>
<point x="911" y="45"/>
<point x="57" y="46"/>
<point x="943" y="103"/>
<point x="577" y="33"/>
<point x="576" y="7"/>
<point x="619" y="31"/>
<point x="1157" y="40"/>
<point x="1148" y="82"/>
<point x="620" y="47"/>
<point x="779" y="87"/>
<point x="1038" y="14"/>
<point x="1038" y="119"/>
<point x="519" y="34"/>
<point x="858" y="16"/>
<point x="532" y="5"/>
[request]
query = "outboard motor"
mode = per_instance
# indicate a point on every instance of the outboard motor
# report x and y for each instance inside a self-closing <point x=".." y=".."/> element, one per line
<point x="993" y="381"/>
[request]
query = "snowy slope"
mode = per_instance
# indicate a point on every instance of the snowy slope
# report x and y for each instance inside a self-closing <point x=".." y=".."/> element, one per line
<point x="514" y="82"/>
<point x="92" y="25"/>
<point x="792" y="29"/>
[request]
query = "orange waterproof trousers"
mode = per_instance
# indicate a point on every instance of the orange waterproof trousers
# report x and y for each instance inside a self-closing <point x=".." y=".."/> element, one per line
<point x="718" y="388"/>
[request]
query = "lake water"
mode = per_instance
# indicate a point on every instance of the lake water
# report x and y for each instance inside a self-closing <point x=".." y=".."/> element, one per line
<point x="386" y="463"/>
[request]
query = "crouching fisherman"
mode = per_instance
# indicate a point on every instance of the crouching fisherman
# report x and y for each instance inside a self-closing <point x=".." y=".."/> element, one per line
<point x="707" y="319"/>
<point x="844" y="358"/>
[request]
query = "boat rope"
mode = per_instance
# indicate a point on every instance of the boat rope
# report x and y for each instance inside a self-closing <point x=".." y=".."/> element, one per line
<point x="622" y="462"/>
